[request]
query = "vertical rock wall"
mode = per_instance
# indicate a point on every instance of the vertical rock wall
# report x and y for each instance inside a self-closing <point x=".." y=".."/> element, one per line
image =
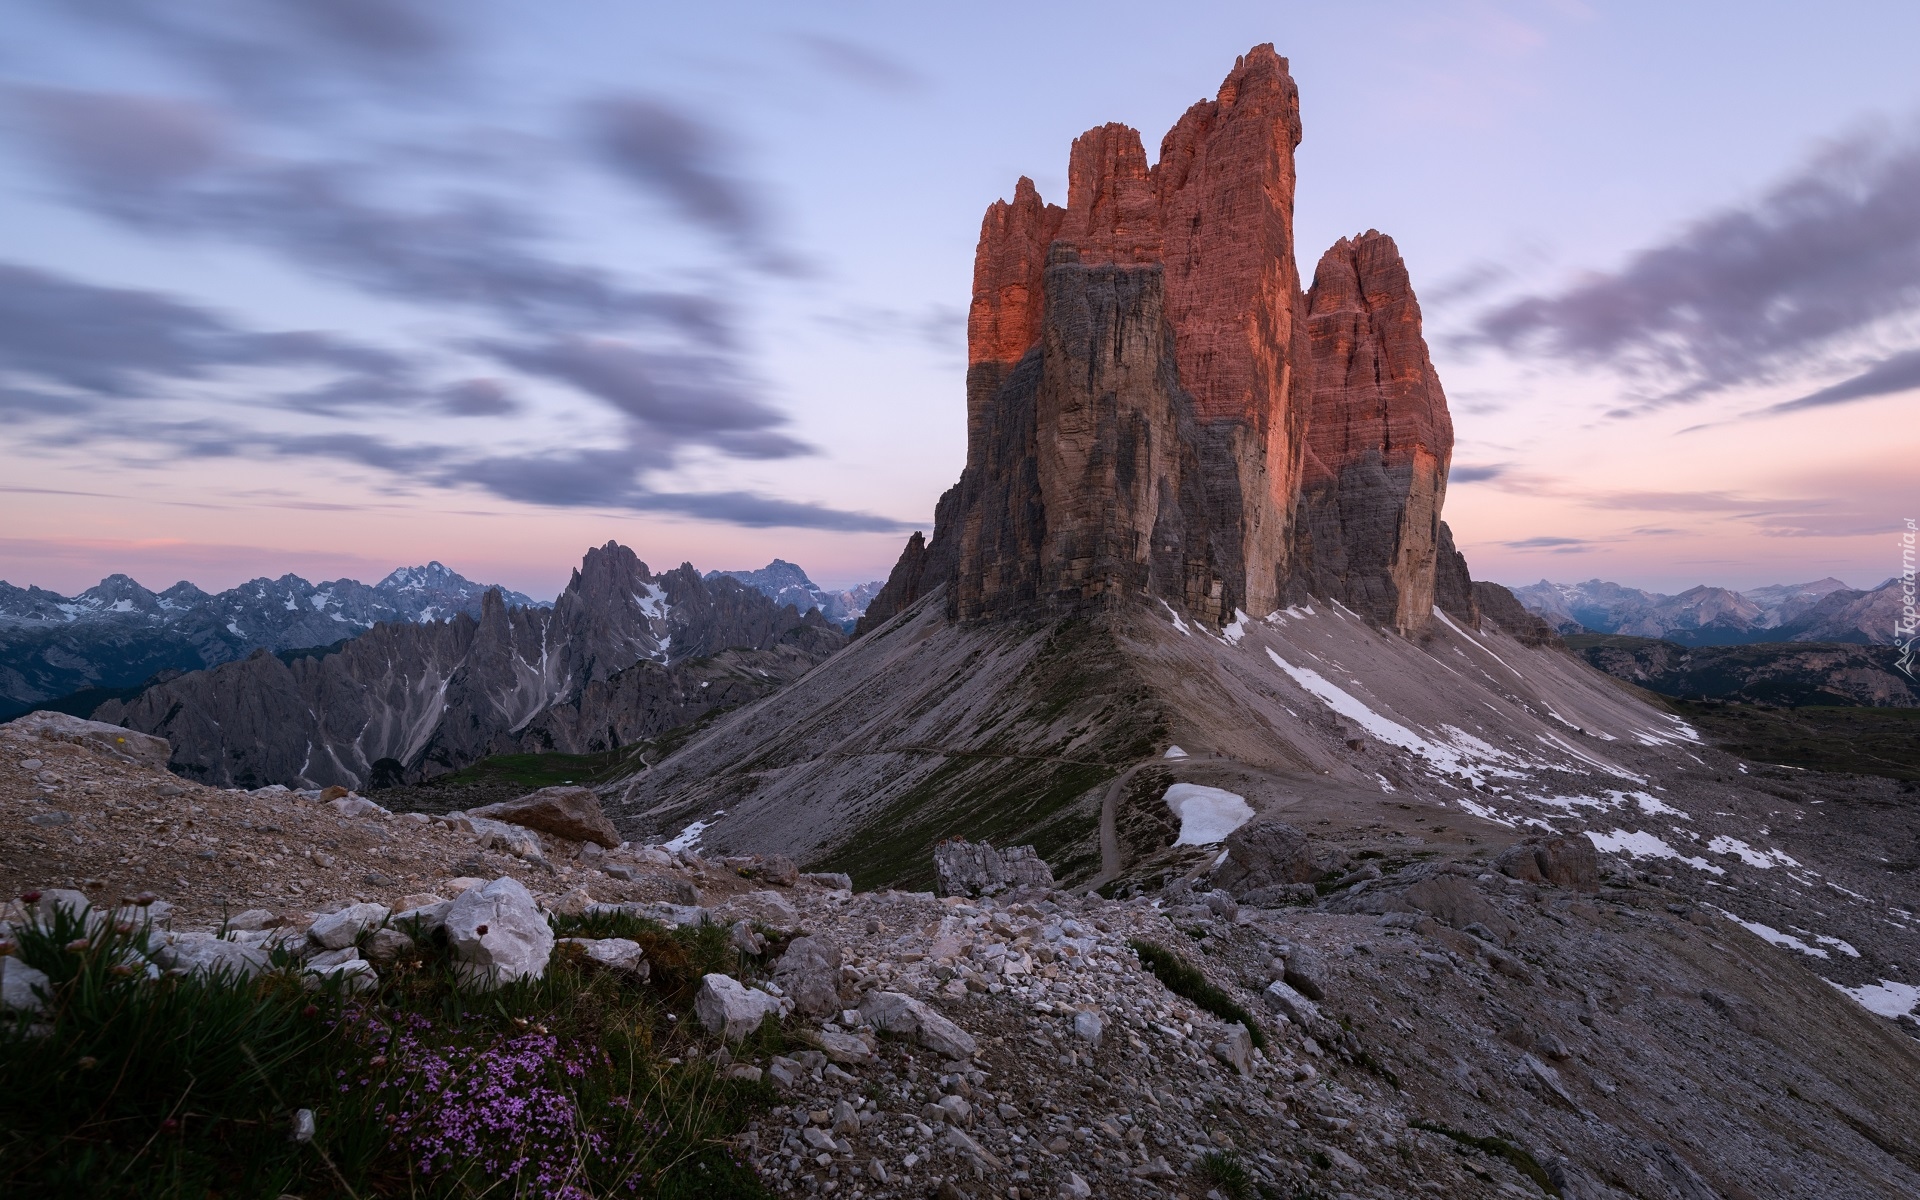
<point x="1379" y="441"/>
<point x="1153" y="404"/>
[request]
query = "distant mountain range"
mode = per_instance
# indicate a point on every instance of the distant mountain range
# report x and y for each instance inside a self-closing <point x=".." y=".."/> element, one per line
<point x="622" y="655"/>
<point x="784" y="583"/>
<point x="1825" y="610"/>
<point x="116" y="635"/>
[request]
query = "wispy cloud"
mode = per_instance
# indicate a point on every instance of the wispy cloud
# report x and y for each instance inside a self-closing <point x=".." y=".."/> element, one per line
<point x="104" y="368"/>
<point x="1900" y="373"/>
<point x="860" y="64"/>
<point x="1476" y="473"/>
<point x="298" y="58"/>
<point x="683" y="161"/>
<point x="1746" y="293"/>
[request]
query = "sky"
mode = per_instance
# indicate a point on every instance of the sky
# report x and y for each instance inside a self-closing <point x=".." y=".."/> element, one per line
<point x="332" y="286"/>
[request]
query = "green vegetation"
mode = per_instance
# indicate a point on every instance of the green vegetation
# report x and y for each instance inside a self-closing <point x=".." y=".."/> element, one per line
<point x="1856" y="740"/>
<point x="582" y="1083"/>
<point x="1498" y="1147"/>
<point x="1222" y="1171"/>
<point x="1184" y="979"/>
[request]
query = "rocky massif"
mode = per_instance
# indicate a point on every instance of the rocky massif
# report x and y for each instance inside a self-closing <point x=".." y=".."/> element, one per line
<point x="1191" y="626"/>
<point x="1153" y="405"/>
<point x="623" y="654"/>
<point x="117" y="634"/>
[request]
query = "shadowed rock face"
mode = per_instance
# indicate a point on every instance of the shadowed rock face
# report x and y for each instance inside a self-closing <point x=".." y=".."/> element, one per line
<point x="623" y="654"/>
<point x="1145" y="380"/>
<point x="1379" y="441"/>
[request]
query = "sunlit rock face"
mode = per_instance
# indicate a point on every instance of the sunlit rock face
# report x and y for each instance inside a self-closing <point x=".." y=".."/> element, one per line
<point x="1378" y="441"/>
<point x="1147" y="385"/>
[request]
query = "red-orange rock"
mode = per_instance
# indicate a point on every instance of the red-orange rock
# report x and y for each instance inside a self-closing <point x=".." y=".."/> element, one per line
<point x="1379" y="437"/>
<point x="1147" y="427"/>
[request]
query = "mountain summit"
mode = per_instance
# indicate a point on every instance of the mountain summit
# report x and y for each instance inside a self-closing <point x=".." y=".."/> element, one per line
<point x="1153" y="405"/>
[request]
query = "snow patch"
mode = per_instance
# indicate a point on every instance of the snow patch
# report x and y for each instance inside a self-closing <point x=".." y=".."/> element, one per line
<point x="654" y="603"/>
<point x="1236" y="631"/>
<point x="1207" y="814"/>
<point x="1384" y="785"/>
<point x="1458" y="758"/>
<point x="1175" y="752"/>
<point x="1177" y="622"/>
<point x="1888" y="998"/>
<point x="1769" y="934"/>
<point x="689" y="837"/>
<point x="1641" y="844"/>
<point x="1753" y="858"/>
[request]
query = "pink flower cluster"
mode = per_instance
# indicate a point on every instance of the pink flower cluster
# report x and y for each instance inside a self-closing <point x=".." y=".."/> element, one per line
<point x="502" y="1110"/>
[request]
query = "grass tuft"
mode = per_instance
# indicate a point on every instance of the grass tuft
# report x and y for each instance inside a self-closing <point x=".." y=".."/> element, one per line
<point x="1184" y="979"/>
<point x="1498" y="1147"/>
<point x="1223" y="1171"/>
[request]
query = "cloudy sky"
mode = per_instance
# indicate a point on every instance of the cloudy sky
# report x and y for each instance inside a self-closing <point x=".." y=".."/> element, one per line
<point x="329" y="286"/>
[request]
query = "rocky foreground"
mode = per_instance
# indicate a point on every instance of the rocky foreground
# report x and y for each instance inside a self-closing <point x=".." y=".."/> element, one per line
<point x="1451" y="1028"/>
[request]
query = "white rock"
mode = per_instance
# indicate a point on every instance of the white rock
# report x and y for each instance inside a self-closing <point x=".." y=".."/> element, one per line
<point x="330" y="931"/>
<point x="387" y="945"/>
<point x="514" y="839"/>
<point x="1089" y="1027"/>
<point x="731" y="1009"/>
<point x="897" y="1013"/>
<point x="326" y="960"/>
<point x="20" y="986"/>
<point x="498" y="934"/>
<point x="251" y="921"/>
<point x="809" y="971"/>
<point x="1300" y="1010"/>
<point x="205" y="954"/>
<point x="428" y="917"/>
<point x="617" y="954"/>
<point x="356" y="806"/>
<point x="355" y="977"/>
<point x="1075" y="1187"/>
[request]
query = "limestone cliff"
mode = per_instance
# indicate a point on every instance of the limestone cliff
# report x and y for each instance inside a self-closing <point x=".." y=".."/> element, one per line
<point x="1379" y="441"/>
<point x="1153" y="405"/>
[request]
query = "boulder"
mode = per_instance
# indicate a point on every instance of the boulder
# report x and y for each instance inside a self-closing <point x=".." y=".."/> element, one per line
<point x="1236" y="1049"/>
<point x="731" y="1009"/>
<point x="845" y="1048"/>
<point x="206" y="954"/>
<point x="1089" y="1027"/>
<point x="22" y="987"/>
<point x="573" y="813"/>
<point x="964" y="868"/>
<point x="1267" y="854"/>
<point x="809" y="972"/>
<point x="514" y="839"/>
<point x="388" y="945"/>
<point x="1454" y="901"/>
<point x="615" y="954"/>
<point x="331" y="931"/>
<point x="356" y="806"/>
<point x="498" y="934"/>
<point x="1568" y="862"/>
<point x="1285" y="998"/>
<point x="126" y="745"/>
<point x="892" y="1012"/>
<point x="1305" y="974"/>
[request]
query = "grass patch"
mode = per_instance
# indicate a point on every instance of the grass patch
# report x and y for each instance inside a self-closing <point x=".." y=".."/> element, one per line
<point x="1222" y="1171"/>
<point x="1184" y="979"/>
<point x="581" y="1083"/>
<point x="1857" y="741"/>
<point x="1498" y="1147"/>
